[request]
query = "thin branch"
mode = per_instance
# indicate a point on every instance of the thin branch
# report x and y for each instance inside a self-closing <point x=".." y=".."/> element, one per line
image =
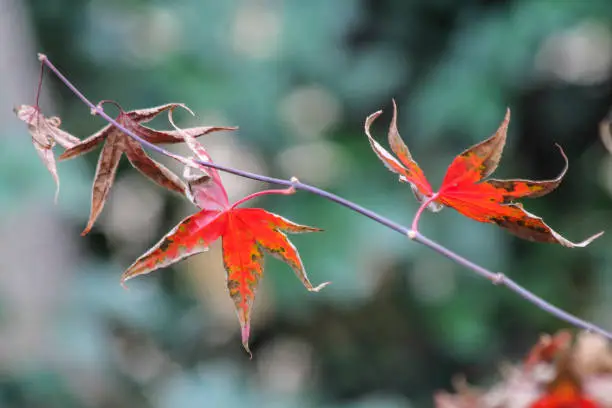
<point x="495" y="278"/>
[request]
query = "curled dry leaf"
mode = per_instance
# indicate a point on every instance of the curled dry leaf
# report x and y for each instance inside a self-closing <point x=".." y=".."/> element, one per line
<point x="465" y="186"/>
<point x="116" y="143"/>
<point x="45" y="134"/>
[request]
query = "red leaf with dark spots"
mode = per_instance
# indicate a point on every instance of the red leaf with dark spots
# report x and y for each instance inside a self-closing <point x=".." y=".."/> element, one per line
<point x="246" y="233"/>
<point x="465" y="186"/>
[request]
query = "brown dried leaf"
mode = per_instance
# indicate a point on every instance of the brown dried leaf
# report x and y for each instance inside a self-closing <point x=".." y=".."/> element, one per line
<point x="45" y="134"/>
<point x="116" y="143"/>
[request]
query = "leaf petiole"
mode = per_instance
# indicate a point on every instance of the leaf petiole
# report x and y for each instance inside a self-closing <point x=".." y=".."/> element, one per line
<point x="424" y="204"/>
<point x="284" y="191"/>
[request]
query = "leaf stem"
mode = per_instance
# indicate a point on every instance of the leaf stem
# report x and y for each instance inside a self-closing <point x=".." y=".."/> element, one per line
<point x="40" y="81"/>
<point x="417" y="216"/>
<point x="284" y="191"/>
<point x="495" y="278"/>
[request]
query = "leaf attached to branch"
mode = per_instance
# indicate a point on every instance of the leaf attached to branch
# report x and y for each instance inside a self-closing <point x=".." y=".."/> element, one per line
<point x="116" y="143"/>
<point x="467" y="188"/>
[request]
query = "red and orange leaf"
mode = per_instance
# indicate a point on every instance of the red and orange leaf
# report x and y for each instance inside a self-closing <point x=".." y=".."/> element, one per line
<point x="244" y="234"/>
<point x="466" y="189"/>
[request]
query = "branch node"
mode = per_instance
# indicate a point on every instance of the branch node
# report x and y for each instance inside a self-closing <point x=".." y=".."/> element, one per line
<point x="42" y="57"/>
<point x="294" y="180"/>
<point x="498" y="279"/>
<point x="411" y="234"/>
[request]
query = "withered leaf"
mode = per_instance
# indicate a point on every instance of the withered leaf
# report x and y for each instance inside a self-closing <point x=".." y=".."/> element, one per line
<point x="116" y="143"/>
<point x="45" y="134"/>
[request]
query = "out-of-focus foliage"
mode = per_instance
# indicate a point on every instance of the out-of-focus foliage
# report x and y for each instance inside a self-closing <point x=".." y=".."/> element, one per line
<point x="298" y="77"/>
<point x="558" y="372"/>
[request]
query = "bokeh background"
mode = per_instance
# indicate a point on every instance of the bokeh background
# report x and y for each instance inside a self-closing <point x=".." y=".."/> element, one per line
<point x="298" y="77"/>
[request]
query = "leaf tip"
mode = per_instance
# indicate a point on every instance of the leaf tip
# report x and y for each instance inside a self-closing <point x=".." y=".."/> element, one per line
<point x="593" y="238"/>
<point x="245" y="332"/>
<point x="319" y="287"/>
<point x="124" y="279"/>
<point x="581" y="244"/>
<point x="89" y="226"/>
<point x="181" y="105"/>
<point x="369" y="120"/>
<point x="394" y="118"/>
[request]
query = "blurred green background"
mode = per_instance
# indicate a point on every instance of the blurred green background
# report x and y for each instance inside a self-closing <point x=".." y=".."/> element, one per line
<point x="298" y="77"/>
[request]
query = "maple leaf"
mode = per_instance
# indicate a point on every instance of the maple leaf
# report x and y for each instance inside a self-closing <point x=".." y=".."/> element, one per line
<point x="45" y="134"/>
<point x="245" y="234"/>
<point x="467" y="189"/>
<point x="116" y="143"/>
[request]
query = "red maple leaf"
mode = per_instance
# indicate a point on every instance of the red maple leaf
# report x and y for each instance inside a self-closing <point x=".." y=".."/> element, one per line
<point x="467" y="189"/>
<point x="245" y="233"/>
